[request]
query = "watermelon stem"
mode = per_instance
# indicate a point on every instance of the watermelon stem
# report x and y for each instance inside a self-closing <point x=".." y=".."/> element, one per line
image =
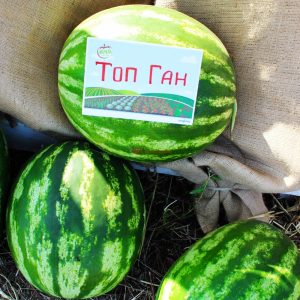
<point x="201" y="189"/>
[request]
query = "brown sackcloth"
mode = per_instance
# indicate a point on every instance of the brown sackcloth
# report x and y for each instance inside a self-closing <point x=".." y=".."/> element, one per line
<point x="263" y="39"/>
<point x="239" y="201"/>
<point x="32" y="34"/>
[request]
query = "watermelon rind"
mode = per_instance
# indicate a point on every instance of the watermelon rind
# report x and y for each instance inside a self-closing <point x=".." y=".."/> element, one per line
<point x="147" y="141"/>
<point x="241" y="261"/>
<point x="75" y="221"/>
<point x="4" y="178"/>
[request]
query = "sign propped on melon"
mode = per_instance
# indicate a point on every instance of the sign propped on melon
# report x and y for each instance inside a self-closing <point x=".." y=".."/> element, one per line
<point x="141" y="81"/>
<point x="166" y="72"/>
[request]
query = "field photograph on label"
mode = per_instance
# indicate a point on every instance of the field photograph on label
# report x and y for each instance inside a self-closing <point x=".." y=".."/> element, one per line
<point x="129" y="101"/>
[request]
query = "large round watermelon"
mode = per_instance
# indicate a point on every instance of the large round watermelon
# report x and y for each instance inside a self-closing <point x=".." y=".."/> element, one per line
<point x="244" y="260"/>
<point x="3" y="176"/>
<point x="75" y="223"/>
<point x="144" y="140"/>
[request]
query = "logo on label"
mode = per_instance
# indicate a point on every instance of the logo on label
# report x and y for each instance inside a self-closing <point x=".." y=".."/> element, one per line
<point x="104" y="51"/>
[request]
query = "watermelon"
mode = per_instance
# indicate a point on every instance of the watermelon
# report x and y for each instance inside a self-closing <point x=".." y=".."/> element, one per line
<point x="75" y="222"/>
<point x="243" y="260"/>
<point x="3" y="175"/>
<point x="147" y="141"/>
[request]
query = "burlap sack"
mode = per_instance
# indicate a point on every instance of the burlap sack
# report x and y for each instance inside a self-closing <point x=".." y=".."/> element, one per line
<point x="238" y="201"/>
<point x="263" y="39"/>
<point x="32" y="35"/>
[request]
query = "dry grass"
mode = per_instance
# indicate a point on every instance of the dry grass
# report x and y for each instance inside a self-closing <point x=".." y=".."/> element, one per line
<point x="284" y="212"/>
<point x="172" y="228"/>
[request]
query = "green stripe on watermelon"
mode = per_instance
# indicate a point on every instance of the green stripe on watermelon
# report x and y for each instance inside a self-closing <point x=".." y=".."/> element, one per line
<point x="75" y="221"/>
<point x="243" y="260"/>
<point x="140" y="140"/>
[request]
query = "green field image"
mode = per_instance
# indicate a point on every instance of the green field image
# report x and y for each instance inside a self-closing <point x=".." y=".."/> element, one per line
<point x="96" y="91"/>
<point x="128" y="101"/>
<point x="182" y="99"/>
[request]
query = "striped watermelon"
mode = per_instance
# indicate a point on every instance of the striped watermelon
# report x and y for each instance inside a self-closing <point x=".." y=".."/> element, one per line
<point x="243" y="260"/>
<point x="3" y="175"/>
<point x="141" y="140"/>
<point x="75" y="221"/>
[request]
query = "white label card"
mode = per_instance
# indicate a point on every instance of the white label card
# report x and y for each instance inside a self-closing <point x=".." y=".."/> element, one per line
<point x="141" y="81"/>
